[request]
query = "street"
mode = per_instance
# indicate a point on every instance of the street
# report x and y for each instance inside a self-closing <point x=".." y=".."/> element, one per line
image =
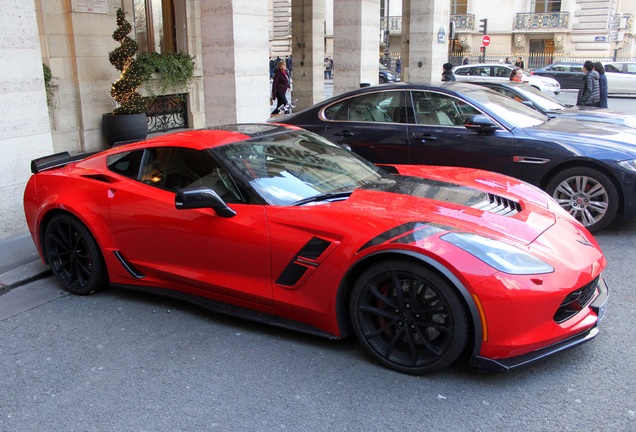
<point x="120" y="360"/>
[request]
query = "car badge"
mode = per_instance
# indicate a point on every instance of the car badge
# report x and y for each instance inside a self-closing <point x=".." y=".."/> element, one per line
<point x="585" y="241"/>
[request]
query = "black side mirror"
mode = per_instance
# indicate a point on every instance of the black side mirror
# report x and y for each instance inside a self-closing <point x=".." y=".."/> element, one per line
<point x="202" y="197"/>
<point x="480" y="123"/>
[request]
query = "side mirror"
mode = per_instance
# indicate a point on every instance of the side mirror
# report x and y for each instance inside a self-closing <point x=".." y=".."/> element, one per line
<point x="480" y="123"/>
<point x="202" y="197"/>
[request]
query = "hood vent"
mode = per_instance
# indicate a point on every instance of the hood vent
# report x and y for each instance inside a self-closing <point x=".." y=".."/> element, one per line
<point x="498" y="205"/>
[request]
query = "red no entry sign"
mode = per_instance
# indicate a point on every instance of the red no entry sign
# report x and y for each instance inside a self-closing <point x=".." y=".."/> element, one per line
<point x="485" y="40"/>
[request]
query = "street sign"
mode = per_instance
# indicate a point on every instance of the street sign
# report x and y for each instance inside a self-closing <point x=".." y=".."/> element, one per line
<point x="485" y="40"/>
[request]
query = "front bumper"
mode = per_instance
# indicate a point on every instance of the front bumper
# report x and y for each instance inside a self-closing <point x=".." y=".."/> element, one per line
<point x="506" y="364"/>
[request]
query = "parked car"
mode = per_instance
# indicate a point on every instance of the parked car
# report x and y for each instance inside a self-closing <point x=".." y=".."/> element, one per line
<point x="388" y="75"/>
<point x="551" y="107"/>
<point x="621" y="76"/>
<point x="568" y="74"/>
<point x="588" y="167"/>
<point x="280" y="226"/>
<point x="501" y="72"/>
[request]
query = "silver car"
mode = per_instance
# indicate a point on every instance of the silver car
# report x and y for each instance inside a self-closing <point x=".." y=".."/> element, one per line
<point x="501" y="72"/>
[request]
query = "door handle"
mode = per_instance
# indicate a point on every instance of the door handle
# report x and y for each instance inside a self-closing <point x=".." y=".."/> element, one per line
<point x="344" y="133"/>
<point x="426" y="138"/>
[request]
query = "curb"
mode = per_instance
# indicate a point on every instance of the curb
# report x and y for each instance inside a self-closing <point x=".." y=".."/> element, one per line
<point x="23" y="274"/>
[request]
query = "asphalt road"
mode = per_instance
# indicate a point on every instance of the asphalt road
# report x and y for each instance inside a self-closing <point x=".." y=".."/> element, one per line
<point x="123" y="361"/>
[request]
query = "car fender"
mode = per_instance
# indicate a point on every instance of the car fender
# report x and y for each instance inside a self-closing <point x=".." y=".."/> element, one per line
<point x="345" y="288"/>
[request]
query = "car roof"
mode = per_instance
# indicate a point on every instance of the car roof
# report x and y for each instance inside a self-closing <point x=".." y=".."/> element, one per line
<point x="200" y="139"/>
<point x="486" y="64"/>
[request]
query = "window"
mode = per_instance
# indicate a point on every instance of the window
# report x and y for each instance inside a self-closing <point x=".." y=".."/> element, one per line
<point x="156" y="24"/>
<point x="374" y="107"/>
<point x="459" y="7"/>
<point x="438" y="109"/>
<point x="126" y="164"/>
<point x="542" y="6"/>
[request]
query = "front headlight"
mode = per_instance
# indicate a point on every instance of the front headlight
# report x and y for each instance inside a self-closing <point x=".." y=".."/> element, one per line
<point x="629" y="165"/>
<point x="499" y="255"/>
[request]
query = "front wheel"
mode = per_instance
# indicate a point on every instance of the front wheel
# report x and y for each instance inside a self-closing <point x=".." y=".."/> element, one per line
<point x="408" y="318"/>
<point x="73" y="255"/>
<point x="587" y="194"/>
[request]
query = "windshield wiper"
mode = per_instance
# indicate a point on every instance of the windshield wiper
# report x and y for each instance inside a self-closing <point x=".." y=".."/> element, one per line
<point x="322" y="197"/>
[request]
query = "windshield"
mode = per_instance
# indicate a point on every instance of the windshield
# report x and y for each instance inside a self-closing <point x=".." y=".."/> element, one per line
<point x="504" y="109"/>
<point x="293" y="166"/>
<point x="540" y="99"/>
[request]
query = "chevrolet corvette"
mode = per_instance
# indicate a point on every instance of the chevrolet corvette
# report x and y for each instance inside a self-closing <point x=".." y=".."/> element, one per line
<point x="425" y="265"/>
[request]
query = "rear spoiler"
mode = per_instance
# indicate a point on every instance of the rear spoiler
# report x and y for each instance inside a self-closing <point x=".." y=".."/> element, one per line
<point x="56" y="160"/>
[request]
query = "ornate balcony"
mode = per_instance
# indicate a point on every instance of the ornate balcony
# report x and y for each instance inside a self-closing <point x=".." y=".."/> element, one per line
<point x="463" y="22"/>
<point x="549" y="21"/>
<point x="395" y="24"/>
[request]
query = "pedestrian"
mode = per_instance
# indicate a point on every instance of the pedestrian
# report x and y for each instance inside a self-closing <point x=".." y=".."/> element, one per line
<point x="519" y="63"/>
<point x="602" y="85"/>
<point x="507" y="60"/>
<point x="280" y="86"/>
<point x="289" y="66"/>
<point x="448" y="74"/>
<point x="516" y="75"/>
<point x="590" y="92"/>
<point x="272" y="67"/>
<point x="331" y="66"/>
<point x="465" y="61"/>
<point x="398" y="65"/>
<point x="327" y="64"/>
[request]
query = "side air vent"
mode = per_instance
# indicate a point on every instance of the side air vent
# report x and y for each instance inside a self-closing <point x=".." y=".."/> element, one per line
<point x="498" y="205"/>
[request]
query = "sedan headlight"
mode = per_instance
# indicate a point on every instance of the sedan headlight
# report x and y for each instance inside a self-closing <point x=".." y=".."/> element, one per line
<point x="499" y="255"/>
<point x="629" y="165"/>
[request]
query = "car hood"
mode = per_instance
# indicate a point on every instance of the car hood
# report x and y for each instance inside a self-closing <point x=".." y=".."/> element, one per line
<point x="588" y="138"/>
<point x="475" y="201"/>
<point x="600" y="114"/>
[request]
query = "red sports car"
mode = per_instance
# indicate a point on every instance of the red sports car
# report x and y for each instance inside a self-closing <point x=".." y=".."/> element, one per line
<point x="276" y="224"/>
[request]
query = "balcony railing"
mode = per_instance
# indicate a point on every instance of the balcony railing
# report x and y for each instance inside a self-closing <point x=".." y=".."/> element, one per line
<point x="542" y="21"/>
<point x="463" y="22"/>
<point x="395" y="24"/>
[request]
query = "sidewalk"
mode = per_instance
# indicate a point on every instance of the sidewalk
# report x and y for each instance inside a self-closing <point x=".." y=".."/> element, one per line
<point x="19" y="262"/>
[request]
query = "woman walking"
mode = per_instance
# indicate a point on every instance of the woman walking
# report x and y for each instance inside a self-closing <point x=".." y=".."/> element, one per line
<point x="280" y="86"/>
<point x="602" y="84"/>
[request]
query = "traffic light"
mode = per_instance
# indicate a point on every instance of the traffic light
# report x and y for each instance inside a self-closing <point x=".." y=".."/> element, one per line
<point x="483" y="26"/>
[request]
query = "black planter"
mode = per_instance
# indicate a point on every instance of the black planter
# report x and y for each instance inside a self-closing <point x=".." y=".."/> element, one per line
<point x="124" y="127"/>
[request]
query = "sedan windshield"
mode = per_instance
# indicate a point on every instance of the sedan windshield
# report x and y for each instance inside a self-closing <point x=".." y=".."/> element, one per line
<point x="294" y="167"/>
<point x="540" y="99"/>
<point x="504" y="109"/>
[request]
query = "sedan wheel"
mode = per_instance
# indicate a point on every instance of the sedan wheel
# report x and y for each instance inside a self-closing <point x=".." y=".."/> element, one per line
<point x="73" y="255"/>
<point x="587" y="194"/>
<point x="408" y="318"/>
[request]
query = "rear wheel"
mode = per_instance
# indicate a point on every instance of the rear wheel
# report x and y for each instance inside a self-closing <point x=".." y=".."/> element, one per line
<point x="74" y="255"/>
<point x="587" y="194"/>
<point x="408" y="318"/>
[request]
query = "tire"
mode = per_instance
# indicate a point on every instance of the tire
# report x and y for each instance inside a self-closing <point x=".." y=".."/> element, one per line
<point x="420" y="328"/>
<point x="74" y="256"/>
<point x="587" y="194"/>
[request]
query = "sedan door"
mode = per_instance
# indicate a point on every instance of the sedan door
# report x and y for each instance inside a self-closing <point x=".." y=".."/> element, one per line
<point x="438" y="135"/>
<point x="373" y="125"/>
<point x="621" y="77"/>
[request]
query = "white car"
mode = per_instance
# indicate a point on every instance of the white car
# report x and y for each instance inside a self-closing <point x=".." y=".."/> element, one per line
<point x="501" y="72"/>
<point x="621" y="77"/>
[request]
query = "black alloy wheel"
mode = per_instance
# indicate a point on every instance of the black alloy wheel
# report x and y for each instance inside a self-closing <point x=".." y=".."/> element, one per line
<point x="587" y="194"/>
<point x="73" y="255"/>
<point x="408" y="318"/>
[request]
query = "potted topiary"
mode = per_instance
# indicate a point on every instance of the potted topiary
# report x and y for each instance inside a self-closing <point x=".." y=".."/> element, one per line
<point x="128" y="121"/>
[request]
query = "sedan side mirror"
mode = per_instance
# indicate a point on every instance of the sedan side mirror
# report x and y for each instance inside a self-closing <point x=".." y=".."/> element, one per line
<point x="480" y="123"/>
<point x="202" y="197"/>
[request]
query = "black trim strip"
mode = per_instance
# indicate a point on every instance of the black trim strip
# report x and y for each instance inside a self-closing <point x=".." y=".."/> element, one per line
<point x="129" y="267"/>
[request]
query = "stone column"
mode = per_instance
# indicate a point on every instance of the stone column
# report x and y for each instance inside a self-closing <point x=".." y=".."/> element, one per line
<point x="356" y="35"/>
<point x="422" y="20"/>
<point x="24" y="118"/>
<point x="234" y="41"/>
<point x="308" y="24"/>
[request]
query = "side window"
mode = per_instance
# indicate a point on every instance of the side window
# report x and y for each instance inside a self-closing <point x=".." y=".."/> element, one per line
<point x="501" y="72"/>
<point x="331" y="112"/>
<point x="462" y="71"/>
<point x="373" y="107"/>
<point x="437" y="109"/>
<point x="173" y="168"/>
<point x="481" y="71"/>
<point x="611" y="68"/>
<point x="126" y="163"/>
<point x="630" y="68"/>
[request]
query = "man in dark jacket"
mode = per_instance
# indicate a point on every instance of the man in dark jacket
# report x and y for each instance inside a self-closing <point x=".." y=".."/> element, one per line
<point x="448" y="74"/>
<point x="589" y="93"/>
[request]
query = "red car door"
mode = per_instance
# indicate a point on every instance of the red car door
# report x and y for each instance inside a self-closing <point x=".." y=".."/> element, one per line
<point x="195" y="247"/>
